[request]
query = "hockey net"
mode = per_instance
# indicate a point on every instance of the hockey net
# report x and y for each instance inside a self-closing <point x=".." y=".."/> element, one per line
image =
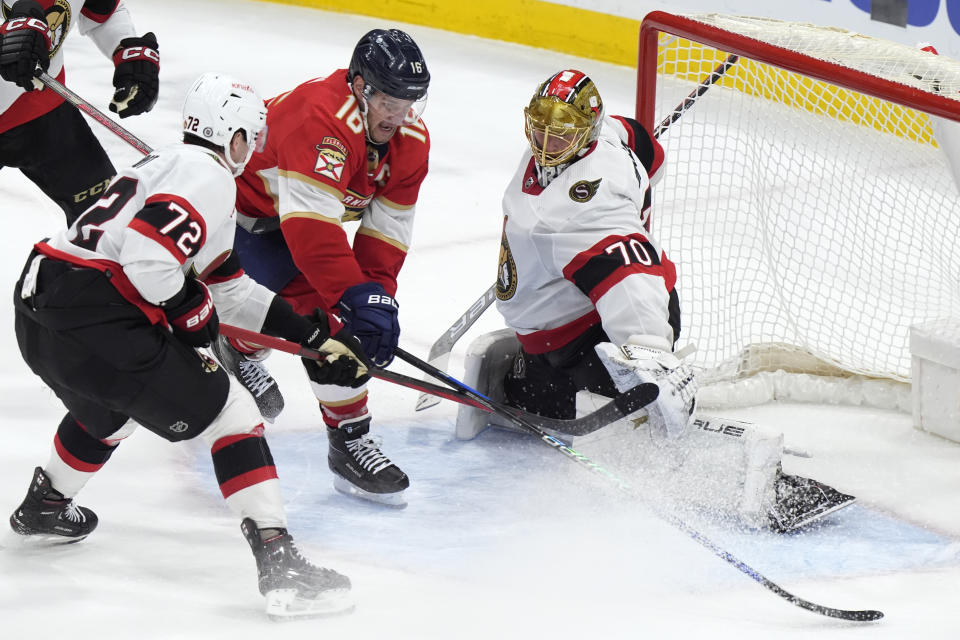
<point x="810" y="210"/>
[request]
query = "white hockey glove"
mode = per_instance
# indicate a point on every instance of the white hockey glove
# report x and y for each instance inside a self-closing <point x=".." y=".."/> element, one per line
<point x="637" y="362"/>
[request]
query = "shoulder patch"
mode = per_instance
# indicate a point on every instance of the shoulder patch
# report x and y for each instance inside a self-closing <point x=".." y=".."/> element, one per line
<point x="330" y="141"/>
<point x="330" y="162"/>
<point x="584" y="190"/>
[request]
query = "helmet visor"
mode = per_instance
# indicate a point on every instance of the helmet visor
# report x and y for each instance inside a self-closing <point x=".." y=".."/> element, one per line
<point x="394" y="110"/>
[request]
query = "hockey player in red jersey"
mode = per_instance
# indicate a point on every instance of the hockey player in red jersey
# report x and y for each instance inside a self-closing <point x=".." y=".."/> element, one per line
<point x="110" y="312"/>
<point x="347" y="147"/>
<point x="589" y="297"/>
<point x="45" y="137"/>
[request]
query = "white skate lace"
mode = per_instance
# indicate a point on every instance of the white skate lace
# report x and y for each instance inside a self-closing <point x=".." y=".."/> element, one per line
<point x="255" y="377"/>
<point x="72" y="513"/>
<point x="367" y="452"/>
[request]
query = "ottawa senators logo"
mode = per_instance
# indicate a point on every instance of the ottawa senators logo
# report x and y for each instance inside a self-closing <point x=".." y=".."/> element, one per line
<point x="507" y="269"/>
<point x="58" y="19"/>
<point x="584" y="190"/>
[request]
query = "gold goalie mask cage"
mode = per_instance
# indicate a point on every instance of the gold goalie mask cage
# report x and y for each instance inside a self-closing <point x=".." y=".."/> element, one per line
<point x="563" y="117"/>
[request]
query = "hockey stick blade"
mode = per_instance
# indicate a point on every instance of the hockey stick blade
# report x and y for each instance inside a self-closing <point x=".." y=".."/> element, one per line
<point x="439" y="355"/>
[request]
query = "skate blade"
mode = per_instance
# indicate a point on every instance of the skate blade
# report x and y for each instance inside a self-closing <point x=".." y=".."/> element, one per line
<point x="820" y="515"/>
<point x="14" y="540"/>
<point x="344" y="486"/>
<point x="285" y="604"/>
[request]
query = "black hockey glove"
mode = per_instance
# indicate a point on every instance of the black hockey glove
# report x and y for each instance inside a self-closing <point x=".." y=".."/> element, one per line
<point x="24" y="43"/>
<point x="137" y="76"/>
<point x="191" y="314"/>
<point x="345" y="366"/>
<point x="372" y="316"/>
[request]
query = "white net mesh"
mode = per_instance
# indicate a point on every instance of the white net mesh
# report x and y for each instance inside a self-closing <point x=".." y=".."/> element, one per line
<point x="811" y="224"/>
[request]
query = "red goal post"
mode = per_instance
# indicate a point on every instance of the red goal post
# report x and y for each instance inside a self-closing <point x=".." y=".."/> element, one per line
<point x="807" y="198"/>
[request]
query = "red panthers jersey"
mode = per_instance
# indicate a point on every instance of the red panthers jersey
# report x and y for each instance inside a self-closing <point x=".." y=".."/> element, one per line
<point x="317" y="171"/>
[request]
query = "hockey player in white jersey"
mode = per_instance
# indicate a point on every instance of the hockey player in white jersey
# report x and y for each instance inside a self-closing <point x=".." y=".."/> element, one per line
<point x="590" y="296"/>
<point x="110" y="313"/>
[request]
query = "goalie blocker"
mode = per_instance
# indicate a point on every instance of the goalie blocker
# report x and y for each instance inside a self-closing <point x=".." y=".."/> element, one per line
<point x="727" y="467"/>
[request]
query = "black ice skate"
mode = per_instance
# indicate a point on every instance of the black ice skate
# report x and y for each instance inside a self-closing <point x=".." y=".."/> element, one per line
<point x="800" y="501"/>
<point x="360" y="468"/>
<point x="292" y="586"/>
<point x="253" y="375"/>
<point x="45" y="516"/>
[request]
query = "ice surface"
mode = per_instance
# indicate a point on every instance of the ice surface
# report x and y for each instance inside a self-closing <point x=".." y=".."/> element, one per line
<point x="503" y="538"/>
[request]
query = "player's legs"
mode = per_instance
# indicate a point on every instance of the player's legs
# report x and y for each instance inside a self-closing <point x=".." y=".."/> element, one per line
<point x="60" y="154"/>
<point x="359" y="467"/>
<point x="173" y="391"/>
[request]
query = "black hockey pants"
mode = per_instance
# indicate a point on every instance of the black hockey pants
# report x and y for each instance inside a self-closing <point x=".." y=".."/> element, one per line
<point x="106" y="362"/>
<point x="60" y="154"/>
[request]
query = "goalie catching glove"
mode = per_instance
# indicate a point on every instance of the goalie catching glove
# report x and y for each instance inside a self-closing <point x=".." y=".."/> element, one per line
<point x="345" y="363"/>
<point x="639" y="361"/>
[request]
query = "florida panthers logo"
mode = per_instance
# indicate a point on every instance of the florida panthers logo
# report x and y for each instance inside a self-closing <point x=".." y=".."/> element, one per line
<point x="330" y="162"/>
<point x="507" y="269"/>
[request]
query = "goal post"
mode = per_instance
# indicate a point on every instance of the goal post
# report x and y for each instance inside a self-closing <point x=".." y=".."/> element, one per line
<point x="806" y="200"/>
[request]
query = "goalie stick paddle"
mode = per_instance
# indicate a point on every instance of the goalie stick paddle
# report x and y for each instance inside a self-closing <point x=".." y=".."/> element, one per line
<point x="85" y="107"/>
<point x="624" y="404"/>
<point x="867" y="615"/>
<point x="439" y="355"/>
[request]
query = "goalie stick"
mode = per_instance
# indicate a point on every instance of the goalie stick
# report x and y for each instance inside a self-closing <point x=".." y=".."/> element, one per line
<point x="624" y="404"/>
<point x="439" y="355"/>
<point x="865" y="615"/>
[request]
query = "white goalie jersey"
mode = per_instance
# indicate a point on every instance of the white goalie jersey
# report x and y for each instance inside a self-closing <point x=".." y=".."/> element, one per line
<point x="577" y="253"/>
<point x="168" y="217"/>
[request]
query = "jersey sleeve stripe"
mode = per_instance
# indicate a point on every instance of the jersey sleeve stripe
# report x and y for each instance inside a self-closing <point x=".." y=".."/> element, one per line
<point x="366" y="231"/>
<point x="99" y="10"/>
<point x="319" y="184"/>
<point x="309" y="215"/>
<point x="609" y="261"/>
<point x="647" y="148"/>
<point x="173" y="223"/>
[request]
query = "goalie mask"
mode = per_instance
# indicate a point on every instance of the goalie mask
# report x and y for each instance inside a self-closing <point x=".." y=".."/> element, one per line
<point x="217" y="106"/>
<point x="563" y="117"/>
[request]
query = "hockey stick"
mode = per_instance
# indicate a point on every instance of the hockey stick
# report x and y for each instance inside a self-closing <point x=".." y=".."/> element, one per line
<point x="867" y="615"/>
<point x="689" y="101"/>
<point x="60" y="89"/>
<point x="621" y="406"/>
<point x="439" y="355"/>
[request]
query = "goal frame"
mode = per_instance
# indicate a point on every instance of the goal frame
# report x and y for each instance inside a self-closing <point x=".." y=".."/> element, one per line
<point x="656" y="22"/>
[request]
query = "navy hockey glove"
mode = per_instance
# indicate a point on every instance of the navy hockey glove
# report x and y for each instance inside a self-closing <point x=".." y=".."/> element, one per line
<point x="346" y="364"/>
<point x="24" y="43"/>
<point x="191" y="314"/>
<point x="136" y="77"/>
<point x="371" y="315"/>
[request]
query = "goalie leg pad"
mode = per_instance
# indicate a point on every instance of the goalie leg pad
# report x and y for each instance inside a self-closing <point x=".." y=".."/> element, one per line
<point x="489" y="358"/>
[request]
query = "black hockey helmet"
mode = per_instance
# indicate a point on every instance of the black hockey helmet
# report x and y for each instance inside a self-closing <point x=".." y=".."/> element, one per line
<point x="391" y="61"/>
